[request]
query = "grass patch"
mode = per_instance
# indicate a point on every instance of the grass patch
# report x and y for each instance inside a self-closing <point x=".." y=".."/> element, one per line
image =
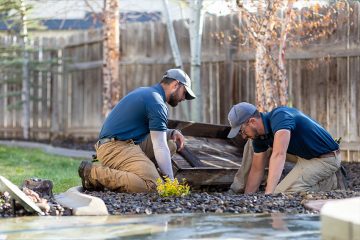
<point x="18" y="164"/>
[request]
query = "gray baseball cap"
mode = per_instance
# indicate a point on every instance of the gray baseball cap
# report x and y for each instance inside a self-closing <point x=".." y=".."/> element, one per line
<point x="182" y="77"/>
<point x="239" y="114"/>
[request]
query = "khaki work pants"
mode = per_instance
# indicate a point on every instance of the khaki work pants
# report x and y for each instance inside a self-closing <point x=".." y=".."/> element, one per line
<point x="126" y="167"/>
<point x="317" y="174"/>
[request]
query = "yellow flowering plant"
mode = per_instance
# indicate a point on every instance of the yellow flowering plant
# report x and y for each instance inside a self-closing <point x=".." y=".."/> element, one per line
<point x="172" y="188"/>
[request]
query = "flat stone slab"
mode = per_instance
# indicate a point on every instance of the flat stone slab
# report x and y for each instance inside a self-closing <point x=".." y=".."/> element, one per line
<point x="82" y="204"/>
<point x="340" y="219"/>
<point x="18" y="195"/>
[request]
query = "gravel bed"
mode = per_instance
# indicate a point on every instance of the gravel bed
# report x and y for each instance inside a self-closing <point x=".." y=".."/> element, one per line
<point x="225" y="202"/>
<point x="203" y="202"/>
<point x="199" y="201"/>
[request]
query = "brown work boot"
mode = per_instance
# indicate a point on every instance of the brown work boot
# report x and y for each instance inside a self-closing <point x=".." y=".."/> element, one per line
<point x="341" y="176"/>
<point x="84" y="173"/>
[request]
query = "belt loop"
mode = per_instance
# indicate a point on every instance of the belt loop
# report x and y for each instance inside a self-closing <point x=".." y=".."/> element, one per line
<point x="97" y="145"/>
<point x="337" y="152"/>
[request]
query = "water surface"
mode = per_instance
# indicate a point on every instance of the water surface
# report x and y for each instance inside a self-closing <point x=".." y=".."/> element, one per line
<point x="174" y="226"/>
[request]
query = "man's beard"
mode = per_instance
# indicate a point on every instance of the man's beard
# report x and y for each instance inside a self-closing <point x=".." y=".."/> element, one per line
<point x="255" y="132"/>
<point x="173" y="101"/>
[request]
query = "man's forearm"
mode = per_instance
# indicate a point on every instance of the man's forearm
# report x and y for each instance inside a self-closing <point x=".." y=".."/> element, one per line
<point x="277" y="160"/>
<point x="276" y="167"/>
<point x="254" y="180"/>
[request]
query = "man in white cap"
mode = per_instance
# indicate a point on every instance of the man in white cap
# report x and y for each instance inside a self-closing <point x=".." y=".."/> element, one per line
<point x="135" y="137"/>
<point x="284" y="134"/>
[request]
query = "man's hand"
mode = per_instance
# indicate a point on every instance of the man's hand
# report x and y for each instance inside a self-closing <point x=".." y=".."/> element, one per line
<point x="277" y="159"/>
<point x="178" y="138"/>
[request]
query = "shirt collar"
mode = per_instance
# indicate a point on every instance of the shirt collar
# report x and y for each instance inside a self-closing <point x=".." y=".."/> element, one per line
<point x="160" y="90"/>
<point x="266" y="122"/>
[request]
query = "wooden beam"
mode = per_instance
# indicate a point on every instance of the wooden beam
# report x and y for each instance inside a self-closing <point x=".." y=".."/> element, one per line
<point x="200" y="129"/>
<point x="207" y="176"/>
<point x="85" y="65"/>
<point x="190" y="157"/>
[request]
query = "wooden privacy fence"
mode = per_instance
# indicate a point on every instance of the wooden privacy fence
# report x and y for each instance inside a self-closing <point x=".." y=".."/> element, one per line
<point x="323" y="78"/>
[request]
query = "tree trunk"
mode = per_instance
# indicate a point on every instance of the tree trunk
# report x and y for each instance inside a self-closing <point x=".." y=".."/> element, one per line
<point x="25" y="94"/>
<point x="283" y="81"/>
<point x="271" y="80"/>
<point x="172" y="37"/>
<point x="196" y="28"/>
<point x="111" y="84"/>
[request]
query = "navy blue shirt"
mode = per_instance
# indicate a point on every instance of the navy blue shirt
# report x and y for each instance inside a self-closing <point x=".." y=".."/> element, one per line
<point x="308" y="138"/>
<point x="140" y="111"/>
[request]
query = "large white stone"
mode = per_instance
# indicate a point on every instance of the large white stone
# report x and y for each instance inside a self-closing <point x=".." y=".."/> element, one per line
<point x="340" y="219"/>
<point x="82" y="204"/>
<point x="18" y="195"/>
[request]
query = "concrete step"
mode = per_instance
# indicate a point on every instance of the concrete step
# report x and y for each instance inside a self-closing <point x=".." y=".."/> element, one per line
<point x="340" y="219"/>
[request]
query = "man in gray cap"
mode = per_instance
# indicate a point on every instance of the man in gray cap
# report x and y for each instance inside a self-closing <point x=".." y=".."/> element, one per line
<point x="135" y="137"/>
<point x="284" y="134"/>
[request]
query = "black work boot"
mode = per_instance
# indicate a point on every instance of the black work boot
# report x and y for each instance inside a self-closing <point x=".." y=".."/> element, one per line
<point x="84" y="173"/>
<point x="341" y="176"/>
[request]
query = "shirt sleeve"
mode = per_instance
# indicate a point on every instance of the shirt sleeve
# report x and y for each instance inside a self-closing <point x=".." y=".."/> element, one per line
<point x="162" y="153"/>
<point x="282" y="120"/>
<point x="259" y="145"/>
<point x="157" y="115"/>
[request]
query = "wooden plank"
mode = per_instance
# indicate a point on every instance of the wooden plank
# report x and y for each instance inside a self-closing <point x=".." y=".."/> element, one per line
<point x="305" y="87"/>
<point x="332" y="99"/>
<point x="34" y="93"/>
<point x="92" y="99"/>
<point x="320" y="92"/>
<point x="358" y="95"/>
<point x="323" y="51"/>
<point x="297" y="100"/>
<point x="342" y="101"/>
<point x="353" y="115"/>
<point x="88" y="99"/>
<point x="204" y="79"/>
<point x="78" y="103"/>
<point x="85" y="65"/>
<point x="212" y="95"/>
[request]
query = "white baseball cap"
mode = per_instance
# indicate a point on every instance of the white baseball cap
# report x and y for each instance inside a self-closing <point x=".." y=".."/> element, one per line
<point x="183" y="78"/>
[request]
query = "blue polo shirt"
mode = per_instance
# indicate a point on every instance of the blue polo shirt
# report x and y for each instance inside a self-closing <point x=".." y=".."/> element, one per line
<point x="140" y="111"/>
<point x="308" y="138"/>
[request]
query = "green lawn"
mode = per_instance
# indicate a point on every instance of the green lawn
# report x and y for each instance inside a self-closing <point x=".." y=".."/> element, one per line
<point x="18" y="164"/>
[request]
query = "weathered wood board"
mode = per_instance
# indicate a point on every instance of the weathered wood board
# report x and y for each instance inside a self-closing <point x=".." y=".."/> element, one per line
<point x="209" y="158"/>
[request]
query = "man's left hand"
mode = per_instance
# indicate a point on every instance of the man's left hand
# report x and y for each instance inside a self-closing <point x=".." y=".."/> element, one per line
<point x="179" y="139"/>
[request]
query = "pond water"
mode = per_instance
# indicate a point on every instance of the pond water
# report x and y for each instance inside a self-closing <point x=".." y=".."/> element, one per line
<point x="174" y="226"/>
